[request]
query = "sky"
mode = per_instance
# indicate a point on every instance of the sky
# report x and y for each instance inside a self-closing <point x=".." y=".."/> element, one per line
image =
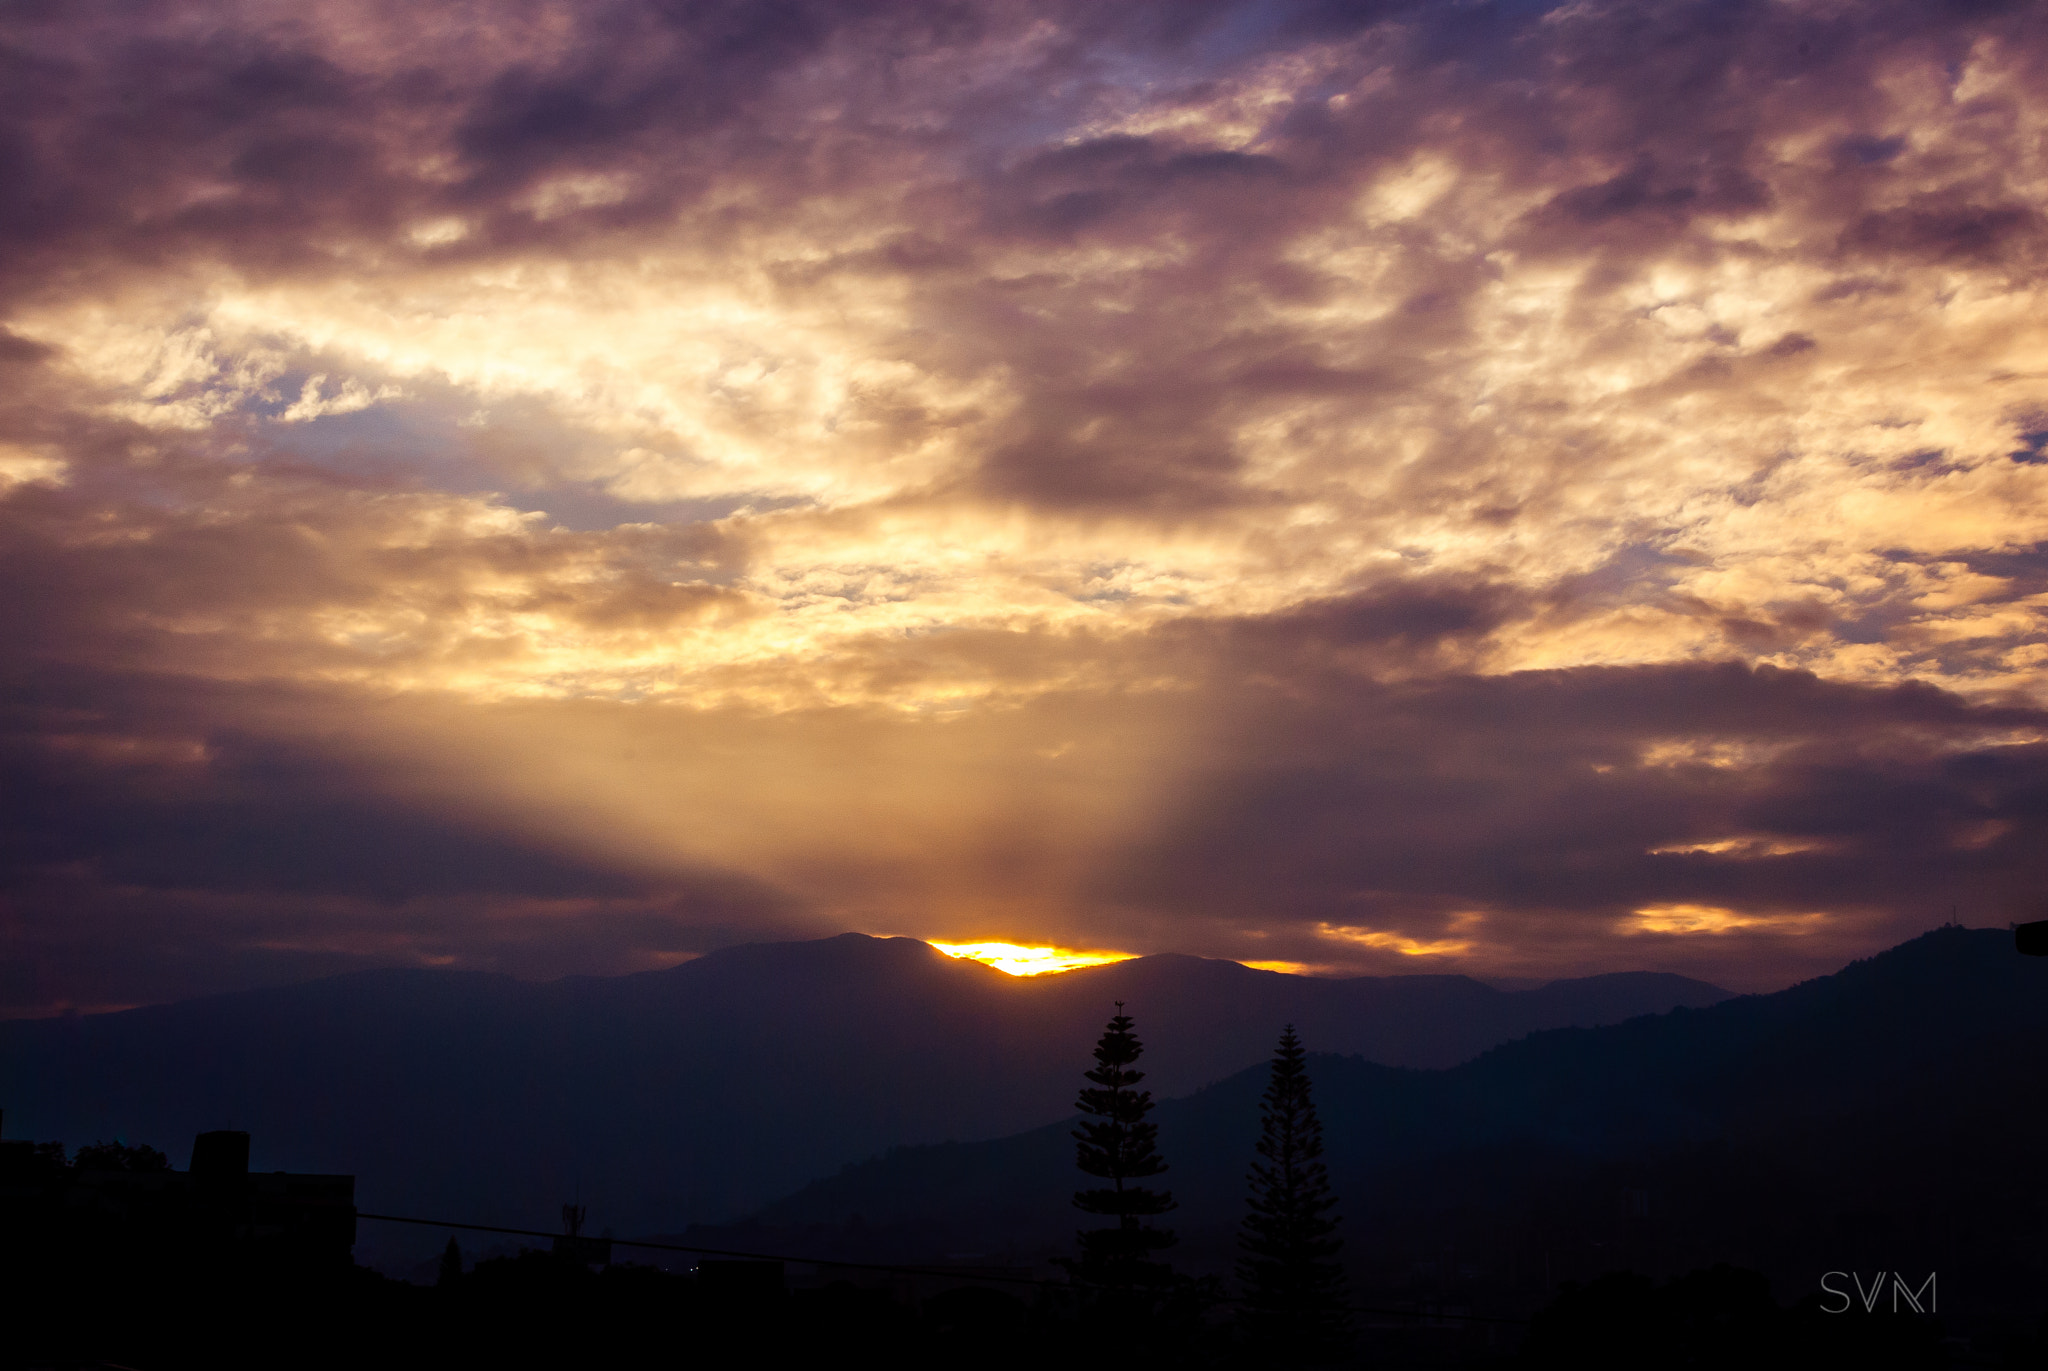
<point x="1501" y="488"/>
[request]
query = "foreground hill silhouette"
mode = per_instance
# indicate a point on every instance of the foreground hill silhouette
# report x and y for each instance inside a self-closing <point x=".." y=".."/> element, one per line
<point x="695" y="1093"/>
<point x="1887" y="1118"/>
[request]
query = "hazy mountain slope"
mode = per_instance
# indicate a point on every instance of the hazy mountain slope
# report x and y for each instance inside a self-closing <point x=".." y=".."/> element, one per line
<point x="696" y="1092"/>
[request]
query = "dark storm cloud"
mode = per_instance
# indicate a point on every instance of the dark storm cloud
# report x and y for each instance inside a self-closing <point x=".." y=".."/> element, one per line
<point x="637" y="73"/>
<point x="1110" y="182"/>
<point x="132" y="138"/>
<point x="149" y="850"/>
<point x="1541" y="801"/>
<point x="140" y="135"/>
<point x="135" y="137"/>
<point x="1686" y="107"/>
<point x="75" y="943"/>
<point x="1935" y="228"/>
<point x="141" y="806"/>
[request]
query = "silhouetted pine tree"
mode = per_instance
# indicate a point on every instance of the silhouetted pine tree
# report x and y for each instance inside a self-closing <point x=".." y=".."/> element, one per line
<point x="1117" y="1145"/>
<point x="1294" y="1286"/>
<point x="451" y="1263"/>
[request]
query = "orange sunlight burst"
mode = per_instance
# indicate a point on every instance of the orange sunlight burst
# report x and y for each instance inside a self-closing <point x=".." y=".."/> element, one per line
<point x="1030" y="961"/>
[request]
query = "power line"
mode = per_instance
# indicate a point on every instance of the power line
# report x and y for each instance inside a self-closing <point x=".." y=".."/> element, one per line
<point x="941" y="1273"/>
<point x="706" y="1251"/>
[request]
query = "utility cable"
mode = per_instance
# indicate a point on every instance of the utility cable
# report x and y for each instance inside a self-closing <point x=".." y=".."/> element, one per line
<point x="941" y="1273"/>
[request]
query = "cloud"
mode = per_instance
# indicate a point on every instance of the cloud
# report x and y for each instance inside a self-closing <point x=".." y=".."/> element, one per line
<point x="1541" y="808"/>
<point x="1134" y="477"/>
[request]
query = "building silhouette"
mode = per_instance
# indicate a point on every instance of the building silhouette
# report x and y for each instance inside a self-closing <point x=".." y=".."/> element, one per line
<point x="214" y="1210"/>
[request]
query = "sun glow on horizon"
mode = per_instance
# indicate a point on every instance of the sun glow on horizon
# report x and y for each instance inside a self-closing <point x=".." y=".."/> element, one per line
<point x="1018" y="960"/>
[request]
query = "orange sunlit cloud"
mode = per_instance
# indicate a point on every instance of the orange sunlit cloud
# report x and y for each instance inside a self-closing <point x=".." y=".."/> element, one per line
<point x="1286" y="968"/>
<point x="1747" y="846"/>
<point x="1694" y="918"/>
<point x="1388" y="940"/>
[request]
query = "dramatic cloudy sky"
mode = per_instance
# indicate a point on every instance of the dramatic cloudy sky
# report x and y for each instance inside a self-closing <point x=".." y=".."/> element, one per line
<point x="560" y="485"/>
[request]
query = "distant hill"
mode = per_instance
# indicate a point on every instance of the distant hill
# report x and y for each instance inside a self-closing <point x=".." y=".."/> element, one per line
<point x="698" y="1092"/>
<point x="1888" y="1117"/>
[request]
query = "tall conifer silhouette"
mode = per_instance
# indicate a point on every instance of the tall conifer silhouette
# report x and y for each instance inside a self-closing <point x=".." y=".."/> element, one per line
<point x="1293" y="1284"/>
<point x="1116" y="1144"/>
<point x="451" y="1263"/>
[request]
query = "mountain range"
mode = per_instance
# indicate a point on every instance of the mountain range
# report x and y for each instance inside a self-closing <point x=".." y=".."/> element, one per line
<point x="700" y="1092"/>
<point x="1886" y="1118"/>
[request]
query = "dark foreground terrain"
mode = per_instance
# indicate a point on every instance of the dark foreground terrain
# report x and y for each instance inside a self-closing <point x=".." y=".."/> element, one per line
<point x="1846" y="1173"/>
<point x="701" y="1092"/>
<point x="163" y="1311"/>
<point x="1886" y="1119"/>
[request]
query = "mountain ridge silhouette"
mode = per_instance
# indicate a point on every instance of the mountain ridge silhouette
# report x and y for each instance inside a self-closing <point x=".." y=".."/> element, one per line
<point x="700" y="1091"/>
